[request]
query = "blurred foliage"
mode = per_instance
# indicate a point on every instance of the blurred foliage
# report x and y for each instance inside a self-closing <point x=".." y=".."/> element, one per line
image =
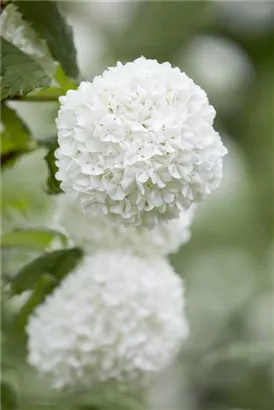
<point x="160" y="29"/>
<point x="15" y="136"/>
<point x="227" y="266"/>
<point x="30" y="238"/>
<point x="8" y="397"/>
<point x="54" y="264"/>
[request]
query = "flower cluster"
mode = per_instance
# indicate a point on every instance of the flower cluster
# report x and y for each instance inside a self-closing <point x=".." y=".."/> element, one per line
<point x="116" y="317"/>
<point x="138" y="144"/>
<point x="99" y="232"/>
<point x="15" y="30"/>
<point x="136" y="147"/>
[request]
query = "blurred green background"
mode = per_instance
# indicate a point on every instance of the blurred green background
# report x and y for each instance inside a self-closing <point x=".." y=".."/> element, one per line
<point x="227" y="48"/>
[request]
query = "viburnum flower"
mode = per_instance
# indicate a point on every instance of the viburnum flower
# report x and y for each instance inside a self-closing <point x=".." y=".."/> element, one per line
<point x="18" y="32"/>
<point x="100" y="232"/>
<point x="138" y="143"/>
<point x="116" y="317"/>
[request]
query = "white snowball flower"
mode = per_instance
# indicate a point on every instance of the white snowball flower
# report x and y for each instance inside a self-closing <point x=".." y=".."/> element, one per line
<point x="99" y="232"/>
<point x="116" y="317"/>
<point x="18" y="32"/>
<point x="138" y="143"/>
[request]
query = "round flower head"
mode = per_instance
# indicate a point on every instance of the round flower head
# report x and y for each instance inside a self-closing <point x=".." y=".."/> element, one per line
<point x="99" y="232"/>
<point x="138" y="143"/>
<point x="116" y="318"/>
<point x="18" y="32"/>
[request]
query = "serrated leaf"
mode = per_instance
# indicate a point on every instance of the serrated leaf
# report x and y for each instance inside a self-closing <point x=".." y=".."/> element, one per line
<point x="15" y="136"/>
<point x="9" y="399"/>
<point x="20" y="73"/>
<point x="56" y="264"/>
<point x="48" y="22"/>
<point x="31" y="238"/>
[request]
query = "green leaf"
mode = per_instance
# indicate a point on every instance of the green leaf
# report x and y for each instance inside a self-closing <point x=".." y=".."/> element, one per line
<point x="55" y="264"/>
<point x="64" y="81"/>
<point x="31" y="238"/>
<point x="24" y="201"/>
<point x="15" y="136"/>
<point x="42" y="288"/>
<point x="48" y="22"/>
<point x="20" y="73"/>
<point x="9" y="399"/>
<point x="52" y="183"/>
